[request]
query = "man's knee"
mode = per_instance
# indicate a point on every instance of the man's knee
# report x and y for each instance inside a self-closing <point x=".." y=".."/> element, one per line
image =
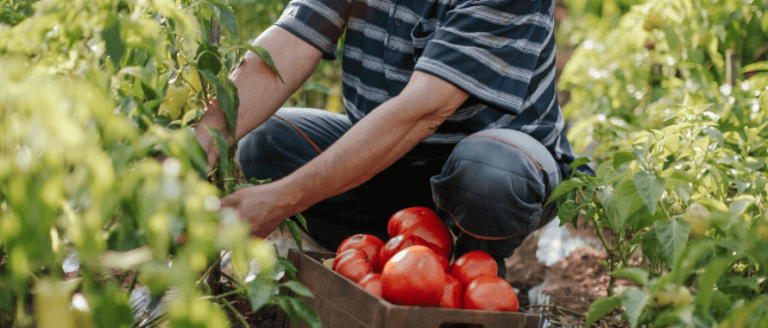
<point x="271" y="151"/>
<point x="493" y="188"/>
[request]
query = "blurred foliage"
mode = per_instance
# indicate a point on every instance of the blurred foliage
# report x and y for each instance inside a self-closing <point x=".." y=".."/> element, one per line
<point x="667" y="98"/>
<point x="91" y="92"/>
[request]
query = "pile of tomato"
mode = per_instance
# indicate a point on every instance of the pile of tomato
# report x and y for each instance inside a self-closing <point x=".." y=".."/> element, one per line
<point x="412" y="267"/>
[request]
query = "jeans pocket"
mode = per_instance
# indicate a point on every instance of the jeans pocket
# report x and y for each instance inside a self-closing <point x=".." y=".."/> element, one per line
<point x="420" y="36"/>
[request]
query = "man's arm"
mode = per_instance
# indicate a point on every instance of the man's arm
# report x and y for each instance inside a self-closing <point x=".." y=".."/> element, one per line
<point x="260" y="91"/>
<point x="374" y="143"/>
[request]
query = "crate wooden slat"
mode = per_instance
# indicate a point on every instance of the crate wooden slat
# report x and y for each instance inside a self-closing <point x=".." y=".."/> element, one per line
<point x="343" y="304"/>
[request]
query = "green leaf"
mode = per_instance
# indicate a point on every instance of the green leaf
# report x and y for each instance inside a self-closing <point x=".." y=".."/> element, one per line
<point x="637" y="275"/>
<point x="579" y="162"/>
<point x="715" y="134"/>
<point x="634" y="301"/>
<point x="287" y="266"/>
<point x="112" y="307"/>
<point x="650" y="245"/>
<point x="649" y="188"/>
<point x="302" y="220"/>
<point x="670" y="317"/>
<point x="111" y="34"/>
<point x="208" y="58"/>
<point x="739" y="204"/>
<point x="260" y="290"/>
<point x="306" y="312"/>
<point x="600" y="308"/>
<point x="564" y="188"/>
<point x="227" y="103"/>
<point x="672" y="235"/>
<point x="569" y="210"/>
<point x="707" y="280"/>
<point x="760" y="66"/>
<point x="221" y="144"/>
<point x="298" y="288"/>
<point x="226" y="17"/>
<point x="627" y="201"/>
<point x="621" y="157"/>
<point x="285" y="304"/>
<point x="264" y="55"/>
<point x="293" y="227"/>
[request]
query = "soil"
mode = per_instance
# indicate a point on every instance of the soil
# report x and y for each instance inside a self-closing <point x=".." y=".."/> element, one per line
<point x="571" y="284"/>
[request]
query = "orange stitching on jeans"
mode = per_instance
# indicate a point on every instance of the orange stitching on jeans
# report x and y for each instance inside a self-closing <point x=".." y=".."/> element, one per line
<point x="473" y="234"/>
<point x="301" y="133"/>
<point x="511" y="144"/>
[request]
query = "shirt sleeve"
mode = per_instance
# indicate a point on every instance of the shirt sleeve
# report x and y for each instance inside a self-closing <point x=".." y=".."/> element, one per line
<point x="318" y="22"/>
<point x="490" y="48"/>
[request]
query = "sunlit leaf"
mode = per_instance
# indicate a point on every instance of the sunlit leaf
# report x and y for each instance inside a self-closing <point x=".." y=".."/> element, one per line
<point x="260" y="290"/>
<point x="637" y="275"/>
<point x="649" y="188"/>
<point x="672" y="235"/>
<point x="600" y="308"/>
<point x="264" y="55"/>
<point x="634" y="301"/>
<point x="297" y="288"/>
<point x="111" y="34"/>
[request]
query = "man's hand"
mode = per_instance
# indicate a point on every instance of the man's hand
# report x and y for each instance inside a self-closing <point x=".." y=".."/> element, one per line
<point x="214" y="118"/>
<point x="262" y="206"/>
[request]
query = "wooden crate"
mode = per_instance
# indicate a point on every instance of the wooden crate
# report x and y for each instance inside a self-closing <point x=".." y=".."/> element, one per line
<point x="342" y="303"/>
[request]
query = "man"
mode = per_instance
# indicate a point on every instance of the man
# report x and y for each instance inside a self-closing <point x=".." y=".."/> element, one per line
<point x="449" y="104"/>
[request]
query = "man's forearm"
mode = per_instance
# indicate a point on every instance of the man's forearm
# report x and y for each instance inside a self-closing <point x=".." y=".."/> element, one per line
<point x="260" y="91"/>
<point x="376" y="142"/>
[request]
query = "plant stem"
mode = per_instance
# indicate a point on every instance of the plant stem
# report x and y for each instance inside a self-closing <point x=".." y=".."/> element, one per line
<point x="232" y="279"/>
<point x="611" y="254"/>
<point x="221" y="296"/>
<point x="133" y="282"/>
<point x="237" y="314"/>
<point x="565" y="309"/>
<point x="210" y="269"/>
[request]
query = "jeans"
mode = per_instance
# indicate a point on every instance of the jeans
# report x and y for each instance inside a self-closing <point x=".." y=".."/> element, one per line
<point x="489" y="188"/>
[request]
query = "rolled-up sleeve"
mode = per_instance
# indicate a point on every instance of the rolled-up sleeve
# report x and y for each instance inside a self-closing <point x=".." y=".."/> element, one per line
<point x="318" y="22"/>
<point x="490" y="48"/>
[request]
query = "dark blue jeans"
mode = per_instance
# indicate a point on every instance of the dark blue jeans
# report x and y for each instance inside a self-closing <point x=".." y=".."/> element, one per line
<point x="489" y="188"/>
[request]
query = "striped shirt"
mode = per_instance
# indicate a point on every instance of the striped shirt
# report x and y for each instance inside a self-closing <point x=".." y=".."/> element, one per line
<point x="502" y="52"/>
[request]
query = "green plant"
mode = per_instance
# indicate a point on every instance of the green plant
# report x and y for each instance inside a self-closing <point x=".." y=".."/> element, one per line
<point x="82" y="85"/>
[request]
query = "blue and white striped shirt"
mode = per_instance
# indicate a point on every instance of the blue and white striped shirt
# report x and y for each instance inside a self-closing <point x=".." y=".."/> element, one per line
<point x="502" y="52"/>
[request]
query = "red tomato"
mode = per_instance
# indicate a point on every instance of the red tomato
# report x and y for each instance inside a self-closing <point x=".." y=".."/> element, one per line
<point x="414" y="276"/>
<point x="472" y="265"/>
<point x="352" y="264"/>
<point x="397" y="244"/>
<point x="372" y="283"/>
<point x="452" y="293"/>
<point x="369" y="244"/>
<point x="353" y="253"/>
<point x="490" y="293"/>
<point x="424" y="223"/>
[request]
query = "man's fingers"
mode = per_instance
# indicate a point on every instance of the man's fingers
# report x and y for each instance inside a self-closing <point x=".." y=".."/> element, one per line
<point x="231" y="201"/>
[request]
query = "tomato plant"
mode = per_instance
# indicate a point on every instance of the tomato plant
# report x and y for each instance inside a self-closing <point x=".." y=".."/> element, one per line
<point x="414" y="276"/>
<point x="490" y="293"/>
